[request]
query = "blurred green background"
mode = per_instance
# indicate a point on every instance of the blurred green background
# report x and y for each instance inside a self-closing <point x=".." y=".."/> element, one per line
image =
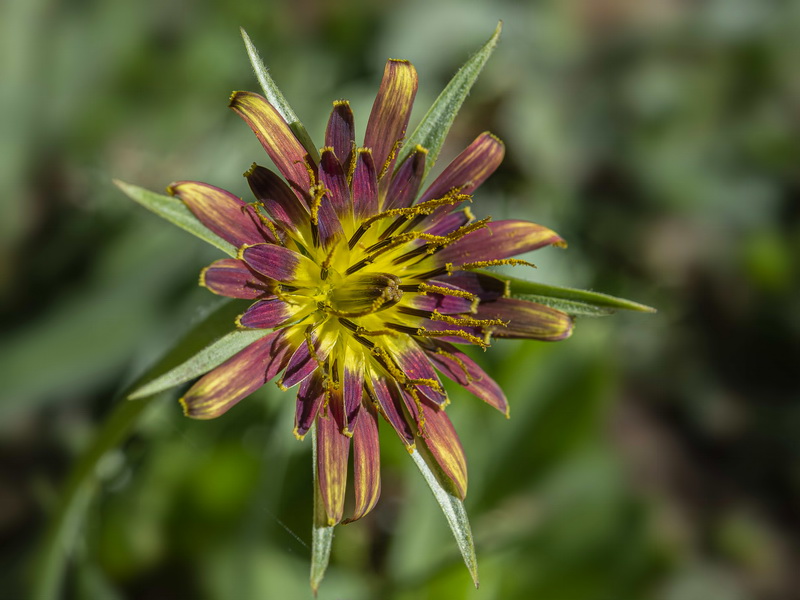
<point x="650" y="456"/>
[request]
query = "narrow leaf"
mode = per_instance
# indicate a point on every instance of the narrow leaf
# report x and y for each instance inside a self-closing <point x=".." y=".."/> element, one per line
<point x="209" y="357"/>
<point x="570" y="300"/>
<point x="174" y="211"/>
<point x="454" y="512"/>
<point x="321" y="533"/>
<point x="432" y="130"/>
<point x="276" y="98"/>
<point x="59" y="542"/>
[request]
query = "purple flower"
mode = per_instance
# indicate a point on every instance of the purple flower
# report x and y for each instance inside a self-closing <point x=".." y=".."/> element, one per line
<point x="364" y="287"/>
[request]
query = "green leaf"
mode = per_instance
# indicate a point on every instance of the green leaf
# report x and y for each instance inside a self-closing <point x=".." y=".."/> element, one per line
<point x="174" y="211"/>
<point x="454" y="512"/>
<point x="570" y="300"/>
<point x="321" y="533"/>
<point x="63" y="533"/>
<point x="276" y="98"/>
<point x="209" y="357"/>
<point x="432" y="130"/>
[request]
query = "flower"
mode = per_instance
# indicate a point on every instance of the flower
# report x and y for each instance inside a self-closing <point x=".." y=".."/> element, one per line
<point x="363" y="288"/>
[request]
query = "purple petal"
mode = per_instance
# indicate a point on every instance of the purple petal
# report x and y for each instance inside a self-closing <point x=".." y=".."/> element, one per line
<point x="365" y="185"/>
<point x="276" y="262"/>
<point x="526" y="320"/>
<point x="340" y="133"/>
<point x="498" y="240"/>
<point x="441" y="440"/>
<point x="415" y="364"/>
<point x="446" y="221"/>
<point x="353" y="386"/>
<point x="390" y="401"/>
<point x="333" y="448"/>
<point x="275" y="135"/>
<point x="390" y="112"/>
<point x="236" y="378"/>
<point x="333" y="177"/>
<point x="442" y="303"/>
<point x="279" y="201"/>
<point x="366" y="463"/>
<point x="222" y="212"/>
<point x="485" y="287"/>
<point x="469" y="169"/>
<point x="302" y="363"/>
<point x="310" y="398"/>
<point x="233" y="278"/>
<point x="267" y="313"/>
<point x="459" y="367"/>
<point x="405" y="184"/>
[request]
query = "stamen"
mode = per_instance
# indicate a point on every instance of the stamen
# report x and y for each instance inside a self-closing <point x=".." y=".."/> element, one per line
<point x="493" y="263"/>
<point x="265" y="221"/>
<point x="326" y="264"/>
<point x="390" y="158"/>
<point x="351" y="165"/>
<point x="458" y="361"/>
<point x="467" y="321"/>
<point x="438" y="289"/>
<point x="455" y="333"/>
<point x="441" y="241"/>
<point x="361" y="331"/>
<point x="454" y="193"/>
<point x="403" y="215"/>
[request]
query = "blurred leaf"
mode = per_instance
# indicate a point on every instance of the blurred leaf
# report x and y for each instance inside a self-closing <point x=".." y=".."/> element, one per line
<point x="584" y="303"/>
<point x="206" y="359"/>
<point x="174" y="211"/>
<point x="432" y="130"/>
<point x="75" y="499"/>
<point x="276" y="98"/>
<point x="322" y="533"/>
<point x="454" y="512"/>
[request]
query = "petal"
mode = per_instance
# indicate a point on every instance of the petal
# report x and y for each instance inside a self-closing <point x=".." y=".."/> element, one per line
<point x="390" y="112"/>
<point x="415" y="364"/>
<point x="406" y="181"/>
<point x="275" y="135"/>
<point x="387" y="396"/>
<point x="340" y="133"/>
<point x="469" y="169"/>
<point x="233" y="278"/>
<point x="267" y="313"/>
<point x="310" y="398"/>
<point x="442" y="303"/>
<point x="236" y="378"/>
<point x="330" y="226"/>
<point x="279" y="201"/>
<point x="302" y="363"/>
<point x="222" y="212"/>
<point x="333" y="177"/>
<point x="498" y="240"/>
<point x="459" y="367"/>
<point x="333" y="448"/>
<point x="471" y="333"/>
<point x="277" y="262"/>
<point x="366" y="463"/>
<point x="352" y="386"/>
<point x="526" y="320"/>
<point x="440" y="438"/>
<point x="365" y="185"/>
<point x="484" y="286"/>
<point x="447" y="221"/>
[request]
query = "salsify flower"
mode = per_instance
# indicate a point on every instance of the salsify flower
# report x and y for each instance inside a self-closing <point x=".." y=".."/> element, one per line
<point x="366" y="287"/>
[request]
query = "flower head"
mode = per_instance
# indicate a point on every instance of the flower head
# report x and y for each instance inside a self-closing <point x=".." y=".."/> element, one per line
<point x="364" y="287"/>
